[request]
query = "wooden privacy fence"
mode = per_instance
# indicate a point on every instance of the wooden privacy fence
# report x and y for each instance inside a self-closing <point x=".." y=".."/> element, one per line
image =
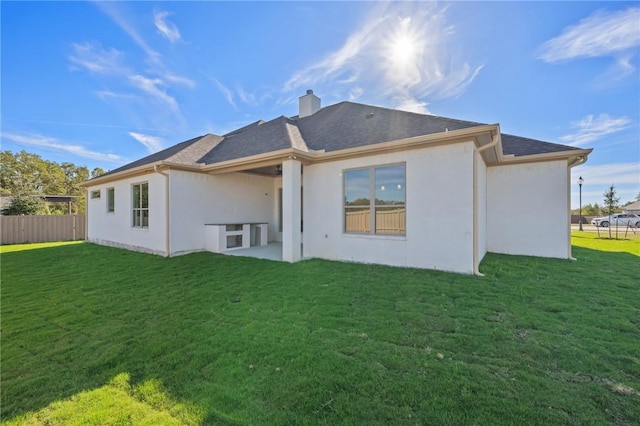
<point x="41" y="229"/>
<point x="388" y="221"/>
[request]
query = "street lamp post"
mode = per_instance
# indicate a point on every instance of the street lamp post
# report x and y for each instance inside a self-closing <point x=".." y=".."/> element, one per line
<point x="580" y="180"/>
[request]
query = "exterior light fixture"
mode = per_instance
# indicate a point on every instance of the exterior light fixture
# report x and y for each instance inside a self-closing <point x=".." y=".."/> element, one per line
<point x="580" y="181"/>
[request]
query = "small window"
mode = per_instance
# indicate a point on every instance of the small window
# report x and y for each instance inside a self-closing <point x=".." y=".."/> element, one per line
<point x="111" y="200"/>
<point x="141" y="205"/>
<point x="95" y="194"/>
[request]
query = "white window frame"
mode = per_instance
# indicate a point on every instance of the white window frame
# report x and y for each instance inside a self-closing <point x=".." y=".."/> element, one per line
<point x="112" y="208"/>
<point x="138" y="212"/>
<point x="95" y="195"/>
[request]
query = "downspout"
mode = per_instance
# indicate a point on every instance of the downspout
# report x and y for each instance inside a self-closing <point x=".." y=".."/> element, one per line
<point x="579" y="160"/>
<point x="167" y="229"/>
<point x="476" y="254"/>
<point x="86" y="214"/>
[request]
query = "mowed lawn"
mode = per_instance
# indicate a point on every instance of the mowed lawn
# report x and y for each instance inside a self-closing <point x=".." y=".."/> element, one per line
<point x="97" y="335"/>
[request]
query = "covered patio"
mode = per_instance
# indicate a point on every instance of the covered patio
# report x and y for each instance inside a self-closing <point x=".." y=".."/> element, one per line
<point x="288" y="168"/>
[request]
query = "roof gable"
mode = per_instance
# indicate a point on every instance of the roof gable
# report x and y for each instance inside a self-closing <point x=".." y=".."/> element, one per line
<point x="258" y="138"/>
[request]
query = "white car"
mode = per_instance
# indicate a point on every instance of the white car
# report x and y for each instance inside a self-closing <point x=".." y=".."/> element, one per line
<point x="619" y="219"/>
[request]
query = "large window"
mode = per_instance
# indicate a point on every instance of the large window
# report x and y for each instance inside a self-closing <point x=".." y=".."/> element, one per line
<point x="111" y="200"/>
<point x="141" y="205"/>
<point x="374" y="200"/>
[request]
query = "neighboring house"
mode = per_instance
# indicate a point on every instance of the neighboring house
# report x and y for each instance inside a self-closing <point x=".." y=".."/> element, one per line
<point x="367" y="184"/>
<point x="633" y="208"/>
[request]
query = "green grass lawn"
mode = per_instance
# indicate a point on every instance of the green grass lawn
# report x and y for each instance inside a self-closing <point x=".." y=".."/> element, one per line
<point x="97" y="335"/>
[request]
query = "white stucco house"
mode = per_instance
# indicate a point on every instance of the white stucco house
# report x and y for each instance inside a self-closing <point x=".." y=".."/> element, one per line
<point x="348" y="182"/>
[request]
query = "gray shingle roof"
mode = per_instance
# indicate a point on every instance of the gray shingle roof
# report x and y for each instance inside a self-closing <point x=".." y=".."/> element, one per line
<point x="257" y="138"/>
<point x="336" y="127"/>
<point x="519" y="146"/>
<point x="187" y="152"/>
<point x="349" y="125"/>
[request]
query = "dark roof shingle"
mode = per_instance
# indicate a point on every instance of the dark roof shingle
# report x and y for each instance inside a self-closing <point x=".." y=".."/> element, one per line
<point x="258" y="138"/>
<point x="335" y="127"/>
<point x="349" y="125"/>
<point x="188" y="152"/>
<point x="519" y="146"/>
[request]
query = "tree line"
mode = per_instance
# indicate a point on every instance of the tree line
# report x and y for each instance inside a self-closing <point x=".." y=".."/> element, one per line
<point x="27" y="178"/>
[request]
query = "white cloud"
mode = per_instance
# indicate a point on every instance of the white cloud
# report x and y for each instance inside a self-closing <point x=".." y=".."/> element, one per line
<point x="55" y="145"/>
<point x="592" y="128"/>
<point x="607" y="174"/>
<point x="355" y="93"/>
<point x="411" y="104"/>
<point x="152" y="143"/>
<point x="614" y="34"/>
<point x="108" y="94"/>
<point x="95" y="58"/>
<point x="601" y="34"/>
<point x="173" y="78"/>
<point x="165" y="27"/>
<point x="118" y="13"/>
<point x="402" y="52"/>
<point x="246" y="97"/>
<point x="228" y="95"/>
<point x="152" y="86"/>
<point x="155" y="81"/>
<point x="621" y="68"/>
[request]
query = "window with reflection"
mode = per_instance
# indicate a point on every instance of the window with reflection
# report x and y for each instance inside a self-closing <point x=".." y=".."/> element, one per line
<point x="111" y="200"/>
<point x="374" y="200"/>
<point x="141" y="205"/>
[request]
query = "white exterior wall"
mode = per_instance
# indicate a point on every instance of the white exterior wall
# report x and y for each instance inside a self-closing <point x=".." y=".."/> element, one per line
<point x="527" y="209"/>
<point x="197" y="199"/>
<point x="439" y="203"/>
<point x="115" y="229"/>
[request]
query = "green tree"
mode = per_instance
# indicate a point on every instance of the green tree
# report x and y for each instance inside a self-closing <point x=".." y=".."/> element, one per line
<point x="611" y="200"/>
<point x="28" y="174"/>
<point x="25" y="199"/>
<point x="24" y="204"/>
<point x="97" y="172"/>
<point x="593" y="210"/>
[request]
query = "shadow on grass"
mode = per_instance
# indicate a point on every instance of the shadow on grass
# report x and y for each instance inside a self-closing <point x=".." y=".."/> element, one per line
<point x="240" y="340"/>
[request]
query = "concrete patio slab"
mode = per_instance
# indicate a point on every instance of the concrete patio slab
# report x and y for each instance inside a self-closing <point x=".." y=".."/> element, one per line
<point x="272" y="251"/>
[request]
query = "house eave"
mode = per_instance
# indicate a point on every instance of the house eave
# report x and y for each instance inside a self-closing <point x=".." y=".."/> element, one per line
<point x="138" y="171"/>
<point x="256" y="161"/>
<point x="573" y="157"/>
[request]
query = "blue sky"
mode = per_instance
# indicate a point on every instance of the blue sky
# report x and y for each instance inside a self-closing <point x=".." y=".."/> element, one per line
<point x="102" y="84"/>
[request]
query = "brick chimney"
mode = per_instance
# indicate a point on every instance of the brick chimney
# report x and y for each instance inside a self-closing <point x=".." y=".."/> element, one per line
<point x="308" y="104"/>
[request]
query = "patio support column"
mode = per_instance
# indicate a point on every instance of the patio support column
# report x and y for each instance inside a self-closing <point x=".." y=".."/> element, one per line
<point x="291" y="206"/>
